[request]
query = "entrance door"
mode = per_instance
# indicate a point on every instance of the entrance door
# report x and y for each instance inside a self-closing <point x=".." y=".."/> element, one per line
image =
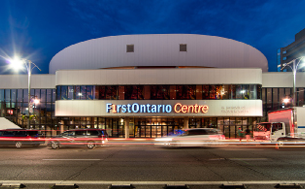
<point x="148" y="132"/>
<point x="232" y="131"/>
<point x="156" y="131"/>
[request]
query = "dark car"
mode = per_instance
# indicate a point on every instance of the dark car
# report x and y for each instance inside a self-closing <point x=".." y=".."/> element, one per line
<point x="20" y="137"/>
<point x="86" y="137"/>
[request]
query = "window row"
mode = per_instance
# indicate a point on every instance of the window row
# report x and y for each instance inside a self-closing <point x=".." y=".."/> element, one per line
<point x="158" y="92"/>
<point x="21" y="95"/>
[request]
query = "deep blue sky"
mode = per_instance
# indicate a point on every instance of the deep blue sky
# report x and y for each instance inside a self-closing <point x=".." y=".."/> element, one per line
<point x="38" y="29"/>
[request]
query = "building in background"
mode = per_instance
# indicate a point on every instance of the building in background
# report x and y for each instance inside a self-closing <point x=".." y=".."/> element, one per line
<point x="147" y="86"/>
<point x="292" y="51"/>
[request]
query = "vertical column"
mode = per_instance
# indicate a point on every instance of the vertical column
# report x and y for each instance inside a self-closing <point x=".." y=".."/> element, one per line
<point x="126" y="125"/>
<point x="61" y="126"/>
<point x="186" y="123"/>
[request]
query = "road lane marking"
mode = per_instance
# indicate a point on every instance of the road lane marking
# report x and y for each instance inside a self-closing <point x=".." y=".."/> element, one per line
<point x="239" y="159"/>
<point x="263" y="182"/>
<point x="71" y="159"/>
<point x="216" y="159"/>
<point x="248" y="159"/>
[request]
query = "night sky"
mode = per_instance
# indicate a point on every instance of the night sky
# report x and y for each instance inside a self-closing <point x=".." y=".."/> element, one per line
<point x="38" y="29"/>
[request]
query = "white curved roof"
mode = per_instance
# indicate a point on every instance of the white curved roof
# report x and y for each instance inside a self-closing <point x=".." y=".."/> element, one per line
<point x="158" y="50"/>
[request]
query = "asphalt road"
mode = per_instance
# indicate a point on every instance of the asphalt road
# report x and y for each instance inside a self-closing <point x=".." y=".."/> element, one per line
<point x="149" y="165"/>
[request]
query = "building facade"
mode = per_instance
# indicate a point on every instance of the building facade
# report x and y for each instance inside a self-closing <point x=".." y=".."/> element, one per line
<point x="290" y="52"/>
<point x="148" y="86"/>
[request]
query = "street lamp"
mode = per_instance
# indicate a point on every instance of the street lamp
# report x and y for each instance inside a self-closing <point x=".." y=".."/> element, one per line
<point x="293" y="64"/>
<point x="18" y="64"/>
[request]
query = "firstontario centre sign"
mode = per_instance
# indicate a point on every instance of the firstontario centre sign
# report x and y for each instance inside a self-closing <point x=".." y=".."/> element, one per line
<point x="129" y="108"/>
<point x="155" y="108"/>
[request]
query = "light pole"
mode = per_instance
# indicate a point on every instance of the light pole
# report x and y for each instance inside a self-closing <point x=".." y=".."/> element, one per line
<point x="293" y="64"/>
<point x="17" y="64"/>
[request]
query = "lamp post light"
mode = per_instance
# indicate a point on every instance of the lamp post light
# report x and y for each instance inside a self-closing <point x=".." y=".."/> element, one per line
<point x="293" y="64"/>
<point x="18" y="64"/>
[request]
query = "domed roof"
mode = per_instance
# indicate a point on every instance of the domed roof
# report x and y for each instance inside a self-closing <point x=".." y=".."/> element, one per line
<point x="158" y="50"/>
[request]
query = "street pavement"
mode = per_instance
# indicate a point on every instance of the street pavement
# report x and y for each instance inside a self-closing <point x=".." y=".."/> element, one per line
<point x="141" y="163"/>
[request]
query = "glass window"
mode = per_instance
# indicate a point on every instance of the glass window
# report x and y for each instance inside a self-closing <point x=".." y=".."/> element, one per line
<point x="78" y="93"/>
<point x="212" y="92"/>
<point x="288" y="91"/>
<point x="225" y="92"/>
<point x="92" y="132"/>
<point x="269" y="98"/>
<point x="63" y="92"/>
<point x="159" y="92"/>
<point x="100" y="92"/>
<point x="146" y="92"/>
<point x="198" y="92"/>
<point x="121" y="92"/>
<point x="259" y="91"/>
<point x="112" y="92"/>
<point x="1" y="95"/>
<point x="219" y="91"/>
<point x="57" y="92"/>
<point x="49" y="95"/>
<point x="90" y="94"/>
<point x="83" y="92"/>
<point x="7" y="95"/>
<point x="172" y="91"/>
<point x="140" y="92"/>
<point x="13" y="95"/>
<point x="131" y="92"/>
<point x="186" y="92"/>
<point x="300" y="96"/>
<point x="70" y="92"/>
<point x="43" y="96"/>
<point x="36" y="94"/>
<point x="253" y="92"/>
<point x="205" y="91"/>
<point x="19" y="95"/>
<point x="242" y="92"/>
<point x="275" y="97"/>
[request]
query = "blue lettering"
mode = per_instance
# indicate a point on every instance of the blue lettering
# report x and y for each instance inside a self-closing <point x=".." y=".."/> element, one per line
<point x="135" y="108"/>
<point x="168" y="108"/>
<point x="123" y="108"/>
<point x="108" y="107"/>
<point x="159" y="106"/>
<point x="153" y="108"/>
<point x="143" y="109"/>
<point x="128" y="106"/>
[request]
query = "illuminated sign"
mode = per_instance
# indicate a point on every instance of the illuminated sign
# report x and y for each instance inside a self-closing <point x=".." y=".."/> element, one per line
<point x="155" y="108"/>
<point x="136" y="108"/>
<point x="179" y="108"/>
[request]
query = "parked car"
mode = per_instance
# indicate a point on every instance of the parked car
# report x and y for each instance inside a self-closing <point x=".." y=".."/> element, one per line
<point x="193" y="137"/>
<point x="20" y="137"/>
<point x="85" y="137"/>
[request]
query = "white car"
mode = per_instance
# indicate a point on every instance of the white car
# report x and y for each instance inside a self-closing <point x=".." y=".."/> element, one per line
<point x="193" y="138"/>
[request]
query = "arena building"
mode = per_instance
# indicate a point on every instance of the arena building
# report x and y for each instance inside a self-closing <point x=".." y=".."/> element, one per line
<point x="148" y="86"/>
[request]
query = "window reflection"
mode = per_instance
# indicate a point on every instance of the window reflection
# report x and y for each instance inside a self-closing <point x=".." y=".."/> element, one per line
<point x="186" y="92"/>
<point x="155" y="92"/>
<point x="160" y="92"/>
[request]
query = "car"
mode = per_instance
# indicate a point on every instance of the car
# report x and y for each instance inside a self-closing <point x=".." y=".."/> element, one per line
<point x="20" y="137"/>
<point x="83" y="137"/>
<point x="192" y="138"/>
